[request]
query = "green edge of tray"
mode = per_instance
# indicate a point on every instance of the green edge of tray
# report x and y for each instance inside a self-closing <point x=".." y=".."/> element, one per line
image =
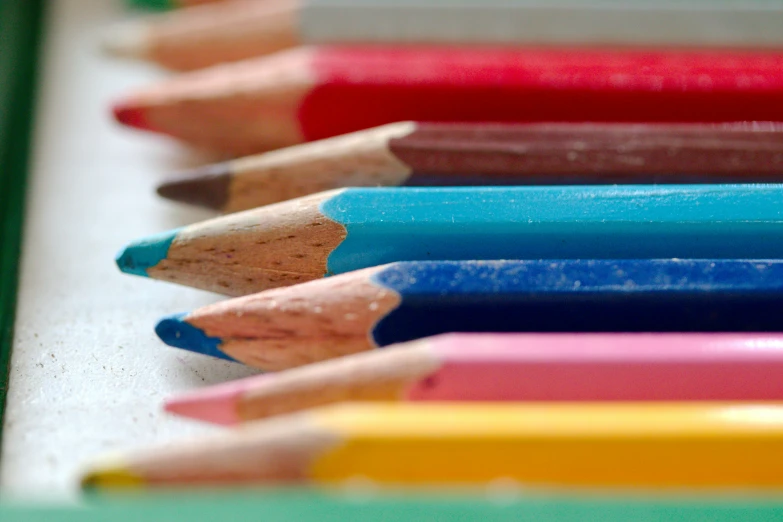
<point x="20" y="30"/>
<point x="302" y="505"/>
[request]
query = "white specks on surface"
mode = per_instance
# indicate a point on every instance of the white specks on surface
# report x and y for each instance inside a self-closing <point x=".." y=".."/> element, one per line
<point x="88" y="374"/>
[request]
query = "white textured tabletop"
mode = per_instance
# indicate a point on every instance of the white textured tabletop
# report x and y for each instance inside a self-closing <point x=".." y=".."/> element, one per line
<point x="88" y="374"/>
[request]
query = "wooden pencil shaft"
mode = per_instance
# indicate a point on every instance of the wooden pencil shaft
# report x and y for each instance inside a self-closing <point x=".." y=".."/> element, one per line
<point x="385" y="305"/>
<point x="315" y="93"/>
<point x="316" y="385"/>
<point x="631" y="445"/>
<point x="210" y="34"/>
<point x="419" y="154"/>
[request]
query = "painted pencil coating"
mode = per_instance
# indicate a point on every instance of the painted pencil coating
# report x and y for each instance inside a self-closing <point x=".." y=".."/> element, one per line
<point x="612" y="222"/>
<point x="349" y="229"/>
<point x="420" y="154"/>
<point x="380" y="306"/>
<point x="658" y="445"/>
<point x="314" y="93"/>
<point x="512" y="367"/>
<point x="602" y="367"/>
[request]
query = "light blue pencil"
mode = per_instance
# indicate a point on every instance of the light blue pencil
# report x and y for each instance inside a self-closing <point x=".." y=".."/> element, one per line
<point x="343" y="230"/>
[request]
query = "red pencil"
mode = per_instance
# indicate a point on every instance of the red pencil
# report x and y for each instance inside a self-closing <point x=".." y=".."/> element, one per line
<point x="314" y="93"/>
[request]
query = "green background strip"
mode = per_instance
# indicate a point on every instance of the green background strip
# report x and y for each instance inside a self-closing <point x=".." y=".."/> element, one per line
<point x="20" y="28"/>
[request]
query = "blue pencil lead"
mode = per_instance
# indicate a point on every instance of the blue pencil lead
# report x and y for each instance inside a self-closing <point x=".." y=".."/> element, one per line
<point x="177" y="332"/>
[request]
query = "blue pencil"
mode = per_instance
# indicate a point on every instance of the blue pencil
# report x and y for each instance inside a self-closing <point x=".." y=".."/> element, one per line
<point x="344" y="230"/>
<point x="379" y="306"/>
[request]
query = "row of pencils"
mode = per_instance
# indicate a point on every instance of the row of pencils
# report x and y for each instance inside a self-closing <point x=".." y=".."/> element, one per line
<point x="472" y="241"/>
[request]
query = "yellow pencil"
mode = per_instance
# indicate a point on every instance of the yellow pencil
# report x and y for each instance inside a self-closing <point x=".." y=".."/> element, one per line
<point x="665" y="445"/>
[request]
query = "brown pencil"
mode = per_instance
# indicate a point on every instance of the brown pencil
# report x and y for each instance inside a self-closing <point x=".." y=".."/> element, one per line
<point x="314" y="93"/>
<point x="417" y="154"/>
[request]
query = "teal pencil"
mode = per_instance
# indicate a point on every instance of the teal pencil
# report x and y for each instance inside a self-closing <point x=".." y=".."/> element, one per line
<point x="343" y="230"/>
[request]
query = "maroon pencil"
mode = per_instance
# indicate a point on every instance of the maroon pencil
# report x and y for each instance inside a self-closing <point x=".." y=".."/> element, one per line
<point x="410" y="153"/>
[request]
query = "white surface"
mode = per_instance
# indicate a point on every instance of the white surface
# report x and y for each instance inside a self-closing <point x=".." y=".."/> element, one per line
<point x="88" y="374"/>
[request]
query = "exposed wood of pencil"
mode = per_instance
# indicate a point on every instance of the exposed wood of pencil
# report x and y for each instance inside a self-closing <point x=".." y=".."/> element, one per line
<point x="209" y="34"/>
<point x="277" y="245"/>
<point x="281" y="450"/>
<point x="628" y="445"/>
<point x="361" y="159"/>
<point x="360" y="377"/>
<point x="456" y="154"/>
<point x="260" y="98"/>
<point x="300" y="324"/>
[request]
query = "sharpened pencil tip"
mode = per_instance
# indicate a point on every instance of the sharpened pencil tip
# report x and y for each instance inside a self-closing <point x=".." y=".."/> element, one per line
<point x="207" y="186"/>
<point x="141" y="255"/>
<point x="216" y="405"/>
<point x="130" y="115"/>
<point x="177" y="332"/>
<point x="111" y="477"/>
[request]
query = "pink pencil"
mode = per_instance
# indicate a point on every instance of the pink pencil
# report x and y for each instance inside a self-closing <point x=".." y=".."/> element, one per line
<point x="513" y="367"/>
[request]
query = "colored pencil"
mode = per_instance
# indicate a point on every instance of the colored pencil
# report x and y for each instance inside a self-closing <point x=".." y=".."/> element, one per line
<point x="641" y="445"/>
<point x="512" y="367"/>
<point x="200" y="37"/>
<point x="390" y="304"/>
<point x="343" y="230"/>
<point x="313" y="93"/>
<point x="419" y="154"/>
